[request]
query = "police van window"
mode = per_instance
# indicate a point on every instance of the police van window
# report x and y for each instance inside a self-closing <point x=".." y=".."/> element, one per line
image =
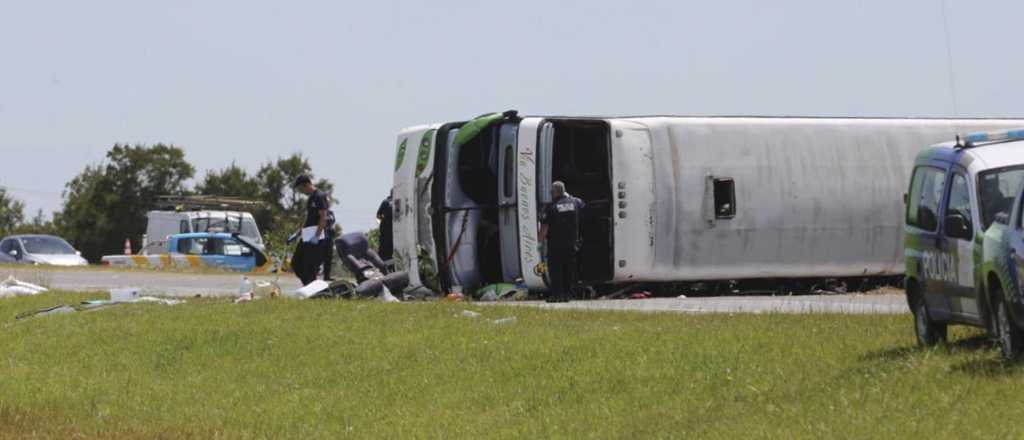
<point x="183" y="227"/>
<point x="958" y="213"/>
<point x="925" y="194"/>
<point x="996" y="190"/>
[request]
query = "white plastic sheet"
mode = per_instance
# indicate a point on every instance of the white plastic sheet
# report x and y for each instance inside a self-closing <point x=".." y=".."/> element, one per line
<point x="311" y="289"/>
<point x="12" y="287"/>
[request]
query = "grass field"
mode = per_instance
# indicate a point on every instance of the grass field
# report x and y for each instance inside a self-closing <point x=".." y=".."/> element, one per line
<point x="291" y="369"/>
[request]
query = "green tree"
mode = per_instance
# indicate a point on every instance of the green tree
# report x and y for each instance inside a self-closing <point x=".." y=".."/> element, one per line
<point x="108" y="202"/>
<point x="232" y="181"/>
<point x="285" y="207"/>
<point x="38" y="225"/>
<point x="12" y="213"/>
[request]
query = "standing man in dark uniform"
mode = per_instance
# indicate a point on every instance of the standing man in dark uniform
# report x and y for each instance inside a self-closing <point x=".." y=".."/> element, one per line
<point x="309" y="253"/>
<point x="560" y="230"/>
<point x="385" y="247"/>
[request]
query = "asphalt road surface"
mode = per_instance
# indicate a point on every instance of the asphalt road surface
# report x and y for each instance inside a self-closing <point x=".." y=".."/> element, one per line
<point x="175" y="284"/>
<point x="149" y="283"/>
<point x="851" y="303"/>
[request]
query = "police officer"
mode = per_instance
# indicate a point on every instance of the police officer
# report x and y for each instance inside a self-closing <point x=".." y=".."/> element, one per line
<point x="309" y="252"/>
<point x="385" y="245"/>
<point x="560" y="230"/>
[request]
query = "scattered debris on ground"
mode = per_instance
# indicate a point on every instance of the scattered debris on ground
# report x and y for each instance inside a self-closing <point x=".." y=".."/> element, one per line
<point x="502" y="292"/>
<point x="12" y="287"/>
<point x="117" y="297"/>
<point x="469" y="314"/>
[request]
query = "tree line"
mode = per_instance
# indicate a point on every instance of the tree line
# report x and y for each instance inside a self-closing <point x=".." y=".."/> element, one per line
<point x="108" y="201"/>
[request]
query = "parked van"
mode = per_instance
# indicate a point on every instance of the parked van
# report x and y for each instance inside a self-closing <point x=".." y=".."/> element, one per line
<point x="668" y="199"/>
<point x="186" y="214"/>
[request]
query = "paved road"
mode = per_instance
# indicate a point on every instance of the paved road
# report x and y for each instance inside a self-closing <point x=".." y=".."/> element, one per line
<point x="185" y="285"/>
<point x="148" y="282"/>
<point x="874" y="303"/>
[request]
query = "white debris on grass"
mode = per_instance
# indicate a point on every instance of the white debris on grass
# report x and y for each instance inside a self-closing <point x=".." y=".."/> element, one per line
<point x="12" y="287"/>
<point x="504" y="321"/>
<point x="311" y="289"/>
<point x="153" y="299"/>
<point x="469" y="314"/>
<point x="386" y="296"/>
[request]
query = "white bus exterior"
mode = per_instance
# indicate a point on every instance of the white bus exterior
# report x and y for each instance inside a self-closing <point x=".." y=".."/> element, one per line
<point x="669" y="199"/>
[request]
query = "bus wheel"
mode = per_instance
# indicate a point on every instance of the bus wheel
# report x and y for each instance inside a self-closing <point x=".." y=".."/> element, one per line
<point x="1010" y="338"/>
<point x="929" y="333"/>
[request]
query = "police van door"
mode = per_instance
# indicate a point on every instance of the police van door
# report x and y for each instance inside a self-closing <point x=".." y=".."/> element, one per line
<point x="508" y="219"/>
<point x="925" y="242"/>
<point x="406" y="203"/>
<point x="957" y="243"/>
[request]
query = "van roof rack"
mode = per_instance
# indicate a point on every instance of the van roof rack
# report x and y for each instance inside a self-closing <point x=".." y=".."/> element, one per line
<point x="972" y="140"/>
<point x="195" y="203"/>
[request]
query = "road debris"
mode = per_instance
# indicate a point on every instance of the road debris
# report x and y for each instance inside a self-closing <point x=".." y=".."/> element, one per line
<point x="61" y="309"/>
<point x="12" y="287"/>
<point x="310" y="290"/>
<point x="469" y="314"/>
<point x="93" y="305"/>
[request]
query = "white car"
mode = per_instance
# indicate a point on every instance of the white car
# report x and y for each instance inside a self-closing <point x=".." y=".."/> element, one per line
<point x="39" y="249"/>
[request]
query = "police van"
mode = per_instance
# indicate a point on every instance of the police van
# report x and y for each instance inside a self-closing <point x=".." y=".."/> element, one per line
<point x="957" y="190"/>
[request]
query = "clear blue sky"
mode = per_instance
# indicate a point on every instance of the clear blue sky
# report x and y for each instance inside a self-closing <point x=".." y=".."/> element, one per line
<point x="247" y="81"/>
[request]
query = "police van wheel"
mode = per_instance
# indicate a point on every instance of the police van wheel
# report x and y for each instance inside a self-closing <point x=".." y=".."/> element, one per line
<point x="1010" y="337"/>
<point x="929" y="333"/>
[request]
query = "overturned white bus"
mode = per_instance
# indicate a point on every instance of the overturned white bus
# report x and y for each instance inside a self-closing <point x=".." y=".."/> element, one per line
<point x="668" y="199"/>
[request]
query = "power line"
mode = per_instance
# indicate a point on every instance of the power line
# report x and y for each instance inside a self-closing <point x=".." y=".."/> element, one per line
<point x="949" y="58"/>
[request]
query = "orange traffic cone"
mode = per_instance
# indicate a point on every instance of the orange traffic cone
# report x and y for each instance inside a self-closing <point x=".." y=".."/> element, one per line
<point x="127" y="246"/>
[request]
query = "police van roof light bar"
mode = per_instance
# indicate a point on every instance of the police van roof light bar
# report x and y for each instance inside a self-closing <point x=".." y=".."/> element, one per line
<point x="971" y="139"/>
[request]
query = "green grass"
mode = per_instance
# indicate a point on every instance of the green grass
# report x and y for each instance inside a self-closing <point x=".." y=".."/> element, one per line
<point x="291" y="369"/>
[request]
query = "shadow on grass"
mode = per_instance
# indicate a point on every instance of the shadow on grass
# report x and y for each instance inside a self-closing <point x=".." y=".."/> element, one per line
<point x="985" y="367"/>
<point x="989" y="367"/>
<point x="971" y="344"/>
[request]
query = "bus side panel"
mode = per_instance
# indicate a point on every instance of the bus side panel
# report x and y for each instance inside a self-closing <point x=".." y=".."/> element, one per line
<point x="813" y="197"/>
<point x="526" y="181"/>
<point x="508" y="217"/>
<point x="634" y="202"/>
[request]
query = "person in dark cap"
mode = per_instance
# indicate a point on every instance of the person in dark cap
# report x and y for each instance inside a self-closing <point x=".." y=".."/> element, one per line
<point x="560" y="230"/>
<point x="309" y="253"/>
